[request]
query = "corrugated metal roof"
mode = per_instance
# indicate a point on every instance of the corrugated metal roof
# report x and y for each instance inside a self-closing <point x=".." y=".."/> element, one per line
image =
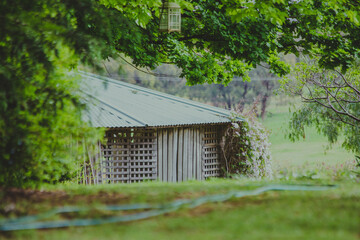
<point x="113" y="103"/>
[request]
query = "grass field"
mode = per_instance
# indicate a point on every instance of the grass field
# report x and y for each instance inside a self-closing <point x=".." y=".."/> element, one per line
<point x="310" y="153"/>
<point x="329" y="214"/>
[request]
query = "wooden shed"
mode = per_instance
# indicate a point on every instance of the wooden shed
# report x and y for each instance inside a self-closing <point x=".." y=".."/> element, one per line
<point x="152" y="135"/>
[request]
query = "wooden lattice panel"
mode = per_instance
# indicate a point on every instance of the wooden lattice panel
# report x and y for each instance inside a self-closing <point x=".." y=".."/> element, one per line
<point x="211" y="152"/>
<point x="129" y="156"/>
<point x="143" y="155"/>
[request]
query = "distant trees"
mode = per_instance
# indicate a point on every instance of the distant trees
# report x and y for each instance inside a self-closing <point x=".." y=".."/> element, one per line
<point x="236" y="95"/>
<point x="331" y="102"/>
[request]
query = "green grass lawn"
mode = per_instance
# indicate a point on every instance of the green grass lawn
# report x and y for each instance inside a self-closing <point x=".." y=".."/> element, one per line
<point x="309" y="153"/>
<point x="329" y="214"/>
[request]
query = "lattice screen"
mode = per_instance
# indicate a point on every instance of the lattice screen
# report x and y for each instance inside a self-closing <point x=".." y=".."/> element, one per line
<point x="211" y="152"/>
<point x="129" y="156"/>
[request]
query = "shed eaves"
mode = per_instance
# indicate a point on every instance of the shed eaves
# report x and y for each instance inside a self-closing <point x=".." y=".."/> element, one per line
<point x="114" y="104"/>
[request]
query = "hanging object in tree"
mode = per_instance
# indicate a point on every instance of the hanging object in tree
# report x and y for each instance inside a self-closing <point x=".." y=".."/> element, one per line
<point x="170" y="17"/>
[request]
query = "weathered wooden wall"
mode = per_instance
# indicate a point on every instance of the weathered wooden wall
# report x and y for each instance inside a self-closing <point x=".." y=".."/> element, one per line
<point x="169" y="154"/>
<point x="186" y="153"/>
<point x="179" y="154"/>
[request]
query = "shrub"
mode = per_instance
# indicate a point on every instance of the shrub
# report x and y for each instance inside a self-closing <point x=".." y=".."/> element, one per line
<point x="42" y="133"/>
<point x="246" y="148"/>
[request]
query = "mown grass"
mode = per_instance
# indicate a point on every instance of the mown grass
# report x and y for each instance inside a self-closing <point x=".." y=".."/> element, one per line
<point x="309" y="153"/>
<point x="329" y="214"/>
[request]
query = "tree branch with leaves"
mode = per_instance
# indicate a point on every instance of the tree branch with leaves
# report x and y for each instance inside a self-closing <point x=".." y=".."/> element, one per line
<point x="331" y="102"/>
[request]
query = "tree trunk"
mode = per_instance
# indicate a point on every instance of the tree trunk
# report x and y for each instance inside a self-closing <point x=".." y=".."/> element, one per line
<point x="265" y="97"/>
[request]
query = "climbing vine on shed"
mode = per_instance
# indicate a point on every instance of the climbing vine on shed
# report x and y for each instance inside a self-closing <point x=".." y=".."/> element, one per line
<point x="246" y="148"/>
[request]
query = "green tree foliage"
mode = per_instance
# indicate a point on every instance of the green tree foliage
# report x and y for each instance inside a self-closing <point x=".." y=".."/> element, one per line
<point x="326" y="28"/>
<point x="40" y="120"/>
<point x="210" y="49"/>
<point x="331" y="102"/>
<point x="222" y="39"/>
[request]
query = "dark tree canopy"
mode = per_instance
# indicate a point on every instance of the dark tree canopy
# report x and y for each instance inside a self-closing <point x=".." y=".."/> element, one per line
<point x="40" y="119"/>
<point x="220" y="39"/>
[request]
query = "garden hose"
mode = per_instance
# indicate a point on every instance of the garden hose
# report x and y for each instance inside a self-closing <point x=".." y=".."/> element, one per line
<point x="33" y="221"/>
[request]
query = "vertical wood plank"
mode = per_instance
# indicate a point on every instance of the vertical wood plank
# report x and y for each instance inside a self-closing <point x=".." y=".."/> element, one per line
<point x="159" y="154"/>
<point x="190" y="153"/>
<point x="194" y="154"/>
<point x="202" y="153"/>
<point x="165" y="160"/>
<point x="185" y="154"/>
<point x="174" y="157"/>
<point x="100" y="162"/>
<point x="198" y="157"/>
<point x="170" y="154"/>
<point x="180" y="156"/>
<point x="155" y="154"/>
